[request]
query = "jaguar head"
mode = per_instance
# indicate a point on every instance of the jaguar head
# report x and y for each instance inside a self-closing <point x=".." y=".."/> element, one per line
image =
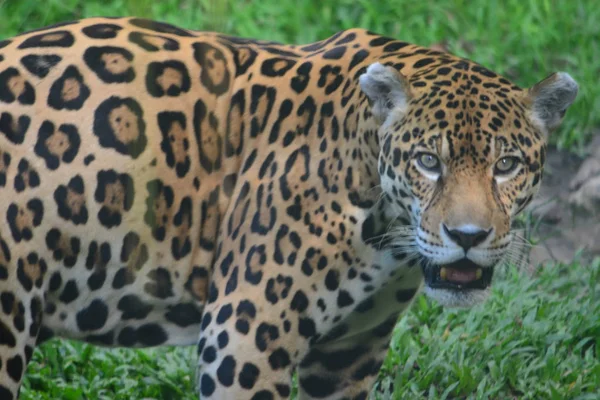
<point x="461" y="154"/>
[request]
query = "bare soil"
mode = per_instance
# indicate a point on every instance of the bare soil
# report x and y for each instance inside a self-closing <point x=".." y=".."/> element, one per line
<point x="566" y="212"/>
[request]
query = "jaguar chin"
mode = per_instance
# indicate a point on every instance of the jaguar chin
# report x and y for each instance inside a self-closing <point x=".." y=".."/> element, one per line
<point x="460" y="284"/>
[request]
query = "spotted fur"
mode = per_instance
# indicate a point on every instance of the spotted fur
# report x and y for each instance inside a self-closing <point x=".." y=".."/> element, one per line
<point x="267" y="203"/>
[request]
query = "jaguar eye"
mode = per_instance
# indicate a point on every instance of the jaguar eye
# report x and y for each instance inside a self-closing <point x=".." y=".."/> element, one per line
<point x="506" y="165"/>
<point x="429" y="161"/>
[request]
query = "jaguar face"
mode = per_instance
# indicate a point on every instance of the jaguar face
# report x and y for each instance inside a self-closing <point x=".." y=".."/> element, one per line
<point x="461" y="160"/>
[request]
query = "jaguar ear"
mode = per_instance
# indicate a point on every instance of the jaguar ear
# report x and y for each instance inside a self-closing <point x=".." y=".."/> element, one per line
<point x="550" y="99"/>
<point x="387" y="90"/>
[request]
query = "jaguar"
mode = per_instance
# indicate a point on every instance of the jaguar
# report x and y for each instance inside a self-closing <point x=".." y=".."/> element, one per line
<point x="276" y="206"/>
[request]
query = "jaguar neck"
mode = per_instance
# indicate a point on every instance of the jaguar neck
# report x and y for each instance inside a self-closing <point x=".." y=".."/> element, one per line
<point x="356" y="147"/>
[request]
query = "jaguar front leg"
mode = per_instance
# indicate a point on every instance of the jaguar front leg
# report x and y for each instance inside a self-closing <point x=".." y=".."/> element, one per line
<point x="345" y="369"/>
<point x="245" y="351"/>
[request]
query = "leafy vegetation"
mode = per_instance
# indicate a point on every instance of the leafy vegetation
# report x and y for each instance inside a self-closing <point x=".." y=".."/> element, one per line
<point x="536" y="338"/>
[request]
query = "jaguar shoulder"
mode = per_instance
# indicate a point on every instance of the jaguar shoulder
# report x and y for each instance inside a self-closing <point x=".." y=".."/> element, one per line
<point x="276" y="205"/>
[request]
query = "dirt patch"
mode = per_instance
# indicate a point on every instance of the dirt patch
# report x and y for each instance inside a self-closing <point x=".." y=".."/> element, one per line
<point x="565" y="219"/>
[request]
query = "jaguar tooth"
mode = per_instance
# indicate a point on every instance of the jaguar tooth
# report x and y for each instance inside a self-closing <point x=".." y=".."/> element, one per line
<point x="478" y="273"/>
<point x="443" y="273"/>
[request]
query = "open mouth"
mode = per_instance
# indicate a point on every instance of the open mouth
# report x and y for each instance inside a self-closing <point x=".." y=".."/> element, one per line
<point x="459" y="275"/>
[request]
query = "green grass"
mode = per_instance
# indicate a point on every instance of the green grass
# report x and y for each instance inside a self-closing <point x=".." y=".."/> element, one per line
<point x="536" y="338"/>
<point x="524" y="40"/>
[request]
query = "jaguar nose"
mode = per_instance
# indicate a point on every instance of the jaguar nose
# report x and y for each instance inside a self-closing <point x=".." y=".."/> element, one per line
<point x="467" y="238"/>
